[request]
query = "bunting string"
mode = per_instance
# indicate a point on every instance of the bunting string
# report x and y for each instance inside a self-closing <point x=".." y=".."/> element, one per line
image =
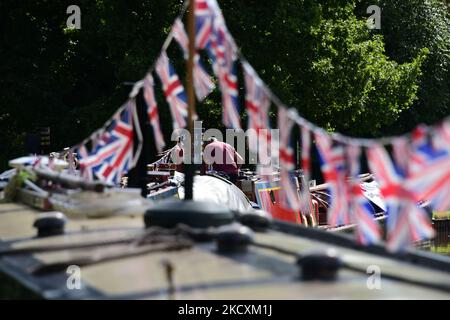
<point x="418" y="170"/>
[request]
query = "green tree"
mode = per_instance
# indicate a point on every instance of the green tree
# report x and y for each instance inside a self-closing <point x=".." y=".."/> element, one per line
<point x="409" y="27"/>
<point x="320" y="57"/>
<point x="72" y="80"/>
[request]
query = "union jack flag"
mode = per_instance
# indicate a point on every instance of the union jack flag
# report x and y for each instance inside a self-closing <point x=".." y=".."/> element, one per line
<point x="202" y="80"/>
<point x="257" y="102"/>
<point x="102" y="151"/>
<point x="407" y="222"/>
<point x="224" y="65"/>
<point x="83" y="156"/>
<point x="332" y="162"/>
<point x="429" y="169"/>
<point x="367" y="230"/>
<point x="401" y="152"/>
<point x="443" y="134"/>
<point x="121" y="136"/>
<point x="222" y="51"/>
<point x="203" y="18"/>
<point x="112" y="154"/>
<point x="289" y="194"/>
<point x="152" y="110"/>
<point x="222" y="45"/>
<point x="173" y="91"/>
<point x="266" y="149"/>
<point x="424" y="152"/>
<point x="70" y="159"/>
<point x="230" y="100"/>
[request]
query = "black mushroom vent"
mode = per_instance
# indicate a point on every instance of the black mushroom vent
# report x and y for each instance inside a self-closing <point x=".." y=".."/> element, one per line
<point x="196" y="214"/>
<point x="50" y="224"/>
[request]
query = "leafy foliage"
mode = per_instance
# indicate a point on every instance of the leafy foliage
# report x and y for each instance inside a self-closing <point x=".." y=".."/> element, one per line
<point x="408" y="28"/>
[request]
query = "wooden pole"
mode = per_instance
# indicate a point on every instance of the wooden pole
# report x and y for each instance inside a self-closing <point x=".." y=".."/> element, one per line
<point x="190" y="168"/>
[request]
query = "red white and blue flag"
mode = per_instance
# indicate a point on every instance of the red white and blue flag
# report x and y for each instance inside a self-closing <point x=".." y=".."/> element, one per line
<point x="362" y="212"/>
<point x="401" y="153"/>
<point x="257" y="103"/>
<point x="70" y="159"/>
<point x="202" y="80"/>
<point x="429" y="170"/>
<point x="122" y="135"/>
<point x="442" y="134"/>
<point x="230" y="100"/>
<point x="204" y="18"/>
<point x="173" y="91"/>
<point x="83" y="155"/>
<point x="152" y="111"/>
<point x="101" y="152"/>
<point x="113" y="155"/>
<point x="224" y="65"/>
<point x="213" y="35"/>
<point x="407" y="222"/>
<point x="333" y="165"/>
<point x="289" y="194"/>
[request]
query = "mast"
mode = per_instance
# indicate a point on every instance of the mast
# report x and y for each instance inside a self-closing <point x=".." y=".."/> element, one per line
<point x="190" y="168"/>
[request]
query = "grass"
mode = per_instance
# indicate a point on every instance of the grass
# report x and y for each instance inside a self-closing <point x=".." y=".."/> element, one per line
<point x="441" y="249"/>
<point x="441" y="215"/>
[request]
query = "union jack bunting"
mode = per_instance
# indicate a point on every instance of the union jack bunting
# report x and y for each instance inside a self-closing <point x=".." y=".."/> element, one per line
<point x="222" y="51"/>
<point x="202" y="80"/>
<point x="289" y="194"/>
<point x="95" y="139"/>
<point x="37" y="162"/>
<point x="412" y="154"/>
<point x="424" y="152"/>
<point x="443" y="134"/>
<point x="173" y="91"/>
<point x="85" y="170"/>
<point x="204" y="18"/>
<point x="70" y="159"/>
<point x="112" y="154"/>
<point x="222" y="46"/>
<point x="122" y="136"/>
<point x="401" y="152"/>
<point x="224" y="66"/>
<point x="332" y="162"/>
<point x="100" y="138"/>
<point x="429" y="174"/>
<point x="257" y="102"/>
<point x="230" y="100"/>
<point x="152" y="111"/>
<point x="266" y="161"/>
<point x="407" y="222"/>
<point x="306" y="167"/>
<point x="367" y="230"/>
<point x="101" y="152"/>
